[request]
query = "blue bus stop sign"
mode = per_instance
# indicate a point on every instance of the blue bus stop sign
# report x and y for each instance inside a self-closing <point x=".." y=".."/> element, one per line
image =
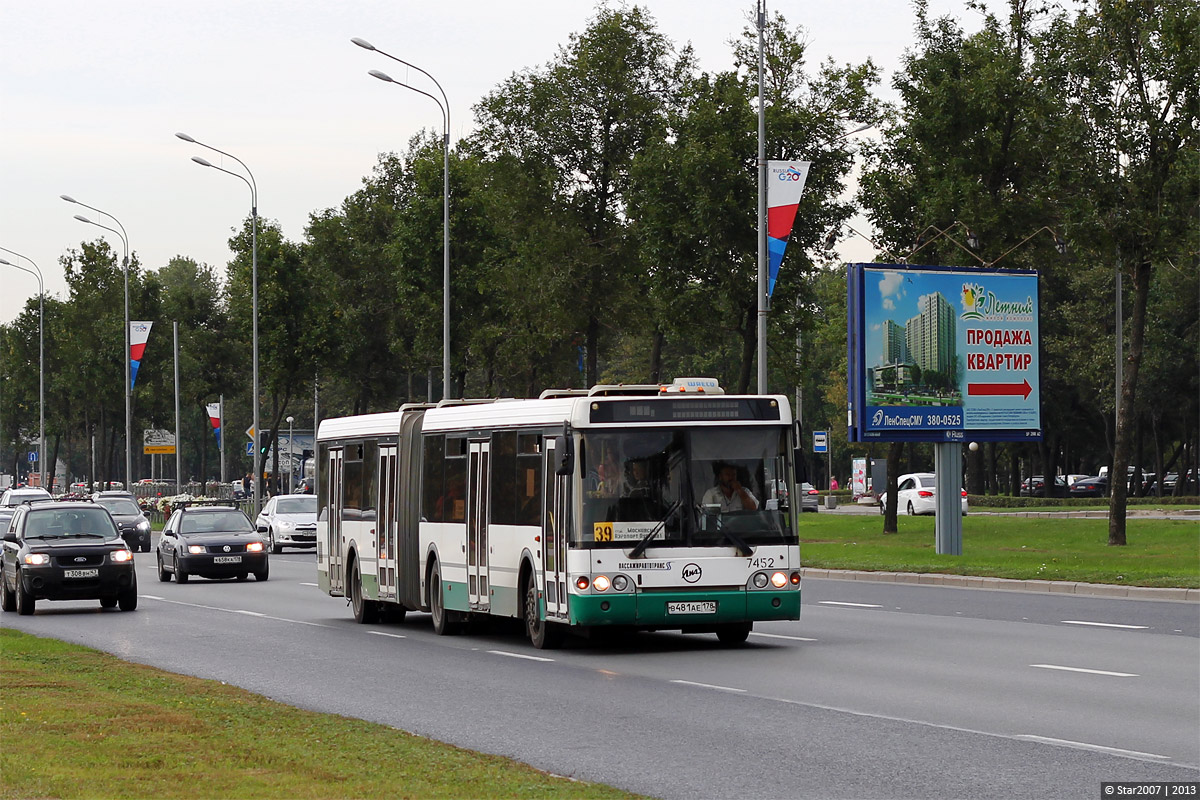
<point x="820" y="441"/>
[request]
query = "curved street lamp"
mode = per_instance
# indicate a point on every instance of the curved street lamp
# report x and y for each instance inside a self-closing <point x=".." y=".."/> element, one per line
<point x="128" y="386"/>
<point x="444" y="105"/>
<point x="41" y="361"/>
<point x="253" y="185"/>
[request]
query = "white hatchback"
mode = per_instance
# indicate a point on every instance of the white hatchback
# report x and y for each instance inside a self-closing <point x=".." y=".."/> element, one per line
<point x="289" y="520"/>
<point x="916" y="493"/>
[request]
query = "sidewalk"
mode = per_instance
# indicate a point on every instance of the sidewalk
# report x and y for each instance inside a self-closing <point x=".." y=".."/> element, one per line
<point x="1007" y="585"/>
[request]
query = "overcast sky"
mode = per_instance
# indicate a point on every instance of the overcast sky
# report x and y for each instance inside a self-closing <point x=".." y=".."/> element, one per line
<point x="92" y="93"/>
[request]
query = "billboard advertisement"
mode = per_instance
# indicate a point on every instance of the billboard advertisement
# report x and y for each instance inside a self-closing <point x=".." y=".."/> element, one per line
<point x="942" y="354"/>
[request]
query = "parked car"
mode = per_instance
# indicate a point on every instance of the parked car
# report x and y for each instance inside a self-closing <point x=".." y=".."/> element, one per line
<point x="211" y="541"/>
<point x="134" y="527"/>
<point x="289" y="520"/>
<point x="24" y="494"/>
<point x="114" y="493"/>
<point x="1090" y="487"/>
<point x="1036" y="486"/>
<point x="809" y="497"/>
<point x="65" y="551"/>
<point x="916" y="493"/>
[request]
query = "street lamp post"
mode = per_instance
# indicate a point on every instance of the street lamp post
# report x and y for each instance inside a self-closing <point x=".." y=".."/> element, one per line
<point x="291" y="454"/>
<point x="128" y="381"/>
<point x="41" y="362"/>
<point x="444" y="105"/>
<point x="253" y="293"/>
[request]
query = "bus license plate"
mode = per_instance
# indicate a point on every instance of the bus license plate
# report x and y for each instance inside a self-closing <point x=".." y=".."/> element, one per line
<point x="81" y="573"/>
<point x="227" y="559"/>
<point x="693" y="607"/>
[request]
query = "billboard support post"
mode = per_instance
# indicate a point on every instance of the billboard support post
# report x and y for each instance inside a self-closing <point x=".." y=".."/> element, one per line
<point x="947" y="523"/>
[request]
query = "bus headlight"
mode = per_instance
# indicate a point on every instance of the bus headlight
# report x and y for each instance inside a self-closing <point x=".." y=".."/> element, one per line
<point x="760" y="580"/>
<point x="779" y="580"/>
<point x="620" y="583"/>
<point x="601" y="583"/>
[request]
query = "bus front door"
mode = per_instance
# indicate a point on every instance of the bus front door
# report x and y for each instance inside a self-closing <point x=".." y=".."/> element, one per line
<point x="477" y="525"/>
<point x="337" y="583"/>
<point x="554" y="534"/>
<point x="385" y="523"/>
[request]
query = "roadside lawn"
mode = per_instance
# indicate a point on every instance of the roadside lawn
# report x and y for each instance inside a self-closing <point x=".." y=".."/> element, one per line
<point x="79" y="723"/>
<point x="1160" y="552"/>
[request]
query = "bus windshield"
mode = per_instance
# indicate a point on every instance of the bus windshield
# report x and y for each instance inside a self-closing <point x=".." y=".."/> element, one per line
<point x="686" y="487"/>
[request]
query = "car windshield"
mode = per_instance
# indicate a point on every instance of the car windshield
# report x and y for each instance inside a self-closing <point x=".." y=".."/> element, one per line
<point x="215" y="522"/>
<point x="120" y="507"/>
<point x="692" y="487"/>
<point x="69" y="523"/>
<point x="305" y="504"/>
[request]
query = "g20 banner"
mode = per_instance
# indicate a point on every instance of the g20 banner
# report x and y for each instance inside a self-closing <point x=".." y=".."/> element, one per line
<point x="942" y="354"/>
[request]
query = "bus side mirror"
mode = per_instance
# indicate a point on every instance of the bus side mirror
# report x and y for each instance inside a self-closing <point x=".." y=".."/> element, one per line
<point x="566" y="463"/>
<point x="799" y="465"/>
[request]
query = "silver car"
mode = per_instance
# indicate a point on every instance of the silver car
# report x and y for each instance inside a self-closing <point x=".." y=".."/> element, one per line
<point x="289" y="520"/>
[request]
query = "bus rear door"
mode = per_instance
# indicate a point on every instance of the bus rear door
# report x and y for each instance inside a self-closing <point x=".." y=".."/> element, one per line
<point x="337" y="583"/>
<point x="477" y="525"/>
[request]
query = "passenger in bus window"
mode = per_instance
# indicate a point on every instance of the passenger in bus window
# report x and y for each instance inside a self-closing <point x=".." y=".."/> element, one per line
<point x="729" y="493"/>
<point x="452" y="507"/>
<point x="637" y="479"/>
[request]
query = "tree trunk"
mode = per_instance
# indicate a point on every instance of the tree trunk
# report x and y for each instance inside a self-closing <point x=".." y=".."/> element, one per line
<point x="895" y="449"/>
<point x="749" y="335"/>
<point x="1118" y="503"/>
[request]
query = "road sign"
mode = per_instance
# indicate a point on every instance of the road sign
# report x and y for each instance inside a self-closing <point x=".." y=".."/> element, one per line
<point x="250" y="431"/>
<point x="33" y="457"/>
<point x="249" y="448"/>
<point x="820" y="441"/>
<point x="158" y="442"/>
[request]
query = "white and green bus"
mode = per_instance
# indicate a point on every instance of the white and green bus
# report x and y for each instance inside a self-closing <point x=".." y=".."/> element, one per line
<point x="638" y="507"/>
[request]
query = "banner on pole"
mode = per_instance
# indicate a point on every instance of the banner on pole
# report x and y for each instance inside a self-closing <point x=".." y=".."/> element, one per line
<point x="785" y="185"/>
<point x="139" y="332"/>
<point x="214" y="416"/>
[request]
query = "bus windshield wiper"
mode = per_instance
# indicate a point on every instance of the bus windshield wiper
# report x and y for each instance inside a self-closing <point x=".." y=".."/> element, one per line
<point x="740" y="543"/>
<point x="641" y="546"/>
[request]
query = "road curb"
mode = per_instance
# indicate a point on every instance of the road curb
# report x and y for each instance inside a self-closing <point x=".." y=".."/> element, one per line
<point x="1009" y="585"/>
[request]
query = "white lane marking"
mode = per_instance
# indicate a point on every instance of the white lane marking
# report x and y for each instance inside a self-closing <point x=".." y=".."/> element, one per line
<point x="1088" y="671"/>
<point x="390" y="635"/>
<point x="781" y="636"/>
<point x="711" y="686"/>
<point x="308" y="584"/>
<point x="1097" y="748"/>
<point x="241" y="611"/>
<point x="518" y="655"/>
<point x="1105" y="624"/>
<point x="852" y="605"/>
<point x="150" y="597"/>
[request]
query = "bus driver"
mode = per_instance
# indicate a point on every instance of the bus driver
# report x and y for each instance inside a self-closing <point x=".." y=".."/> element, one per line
<point x="729" y="494"/>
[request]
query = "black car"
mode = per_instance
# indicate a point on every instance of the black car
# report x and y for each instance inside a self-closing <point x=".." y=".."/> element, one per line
<point x="211" y="541"/>
<point x="65" y="551"/>
<point x="1090" y="487"/>
<point x="134" y="527"/>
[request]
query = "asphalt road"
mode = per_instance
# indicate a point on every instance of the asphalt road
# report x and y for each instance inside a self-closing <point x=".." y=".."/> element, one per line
<point x="880" y="690"/>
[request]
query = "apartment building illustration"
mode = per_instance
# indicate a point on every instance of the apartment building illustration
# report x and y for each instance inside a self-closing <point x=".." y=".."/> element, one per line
<point x="926" y="343"/>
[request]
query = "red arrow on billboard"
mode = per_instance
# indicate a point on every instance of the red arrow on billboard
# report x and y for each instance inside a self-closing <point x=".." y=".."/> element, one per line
<point x="1023" y="389"/>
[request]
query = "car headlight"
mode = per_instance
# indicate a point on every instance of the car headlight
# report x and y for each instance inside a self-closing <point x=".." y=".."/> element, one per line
<point x="195" y="549"/>
<point x="37" y="559"/>
<point x="285" y="527"/>
<point x="254" y="547"/>
<point x="122" y="556"/>
<point x="144" y="526"/>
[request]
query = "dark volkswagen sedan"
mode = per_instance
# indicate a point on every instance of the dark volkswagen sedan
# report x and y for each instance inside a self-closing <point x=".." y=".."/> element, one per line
<point x="65" y="551"/>
<point x="213" y="542"/>
<point x="134" y="527"/>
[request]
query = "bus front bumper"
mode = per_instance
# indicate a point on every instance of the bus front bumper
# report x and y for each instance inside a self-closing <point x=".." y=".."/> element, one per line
<point x="684" y="609"/>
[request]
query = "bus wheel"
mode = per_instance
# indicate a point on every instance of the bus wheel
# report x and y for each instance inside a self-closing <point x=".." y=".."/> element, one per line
<point x="365" y="611"/>
<point x="734" y="634"/>
<point x="542" y="634"/>
<point x="442" y="623"/>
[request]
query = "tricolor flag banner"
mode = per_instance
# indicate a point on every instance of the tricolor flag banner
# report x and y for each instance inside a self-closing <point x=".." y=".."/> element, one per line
<point x="785" y="184"/>
<point x="214" y="416"/>
<point x="139" y="332"/>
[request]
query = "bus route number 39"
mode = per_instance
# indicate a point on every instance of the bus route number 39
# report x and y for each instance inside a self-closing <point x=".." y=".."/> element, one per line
<point x="602" y="531"/>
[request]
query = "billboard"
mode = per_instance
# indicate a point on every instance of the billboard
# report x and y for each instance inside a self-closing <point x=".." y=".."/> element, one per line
<point x="942" y="354"/>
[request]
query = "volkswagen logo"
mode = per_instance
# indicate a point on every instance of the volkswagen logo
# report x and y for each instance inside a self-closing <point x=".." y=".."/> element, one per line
<point x="691" y="573"/>
<point x="80" y="559"/>
<point x="225" y="548"/>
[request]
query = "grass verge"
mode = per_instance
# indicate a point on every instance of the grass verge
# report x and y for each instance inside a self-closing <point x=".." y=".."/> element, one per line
<point x="79" y="723"/>
<point x="1160" y="552"/>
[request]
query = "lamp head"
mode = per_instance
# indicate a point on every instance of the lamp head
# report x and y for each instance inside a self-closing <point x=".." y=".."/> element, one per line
<point x="202" y="161"/>
<point x="290" y="420"/>
<point x="831" y="239"/>
<point x="68" y="198"/>
<point x="82" y="218"/>
<point x="1060" y="244"/>
<point x="972" y="240"/>
<point x="2" y="261"/>
<point x="185" y="137"/>
<point x="383" y="76"/>
<point x="363" y="43"/>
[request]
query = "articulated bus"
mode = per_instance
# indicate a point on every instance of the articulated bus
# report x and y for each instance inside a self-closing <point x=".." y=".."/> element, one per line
<point x="661" y="507"/>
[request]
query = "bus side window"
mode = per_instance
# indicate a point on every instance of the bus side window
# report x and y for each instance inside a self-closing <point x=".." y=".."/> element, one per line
<point x="433" y="468"/>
